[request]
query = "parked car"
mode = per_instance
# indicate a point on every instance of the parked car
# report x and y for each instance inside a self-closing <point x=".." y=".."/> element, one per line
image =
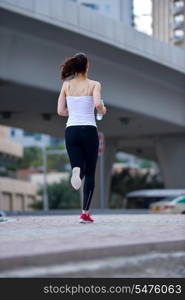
<point x="144" y="198"/>
<point x="169" y="206"/>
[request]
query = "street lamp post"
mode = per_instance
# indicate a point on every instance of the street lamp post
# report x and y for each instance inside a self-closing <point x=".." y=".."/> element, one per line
<point x="45" y="179"/>
<point x="101" y="170"/>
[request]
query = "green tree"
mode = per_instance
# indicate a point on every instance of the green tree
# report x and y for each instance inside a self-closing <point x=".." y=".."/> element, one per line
<point x="57" y="161"/>
<point x="124" y="182"/>
<point x="145" y="163"/>
<point x="60" y="196"/>
<point x="33" y="157"/>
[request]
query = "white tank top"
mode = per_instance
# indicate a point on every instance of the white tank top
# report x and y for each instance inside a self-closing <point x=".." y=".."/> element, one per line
<point x="81" y="110"/>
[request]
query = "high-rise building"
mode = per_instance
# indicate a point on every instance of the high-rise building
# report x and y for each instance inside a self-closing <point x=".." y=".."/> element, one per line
<point x="28" y="138"/>
<point x="169" y="21"/>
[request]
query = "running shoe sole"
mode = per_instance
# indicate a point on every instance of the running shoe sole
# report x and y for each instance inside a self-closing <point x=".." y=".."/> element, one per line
<point x="75" y="178"/>
<point x="84" y="222"/>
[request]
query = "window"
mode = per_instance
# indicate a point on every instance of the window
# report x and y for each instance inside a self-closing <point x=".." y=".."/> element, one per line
<point x="91" y="5"/>
<point x="181" y="201"/>
<point x="179" y="34"/>
<point x="12" y="132"/>
<point x="38" y="136"/>
<point x="107" y="8"/>
<point x="55" y="141"/>
<point x="179" y="18"/>
<point x="28" y="133"/>
<point x="179" y="3"/>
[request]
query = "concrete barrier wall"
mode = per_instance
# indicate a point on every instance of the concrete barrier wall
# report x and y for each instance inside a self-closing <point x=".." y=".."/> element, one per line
<point x="16" y="195"/>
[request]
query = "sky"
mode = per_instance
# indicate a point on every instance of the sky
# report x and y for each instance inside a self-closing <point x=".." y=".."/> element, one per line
<point x="143" y="10"/>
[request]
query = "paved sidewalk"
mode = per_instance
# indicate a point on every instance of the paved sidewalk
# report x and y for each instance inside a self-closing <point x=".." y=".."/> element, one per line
<point x="47" y="240"/>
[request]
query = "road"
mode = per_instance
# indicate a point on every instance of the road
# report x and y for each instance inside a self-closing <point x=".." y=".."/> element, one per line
<point x="117" y="245"/>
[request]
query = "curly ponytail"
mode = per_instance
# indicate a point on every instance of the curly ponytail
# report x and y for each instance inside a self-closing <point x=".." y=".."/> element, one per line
<point x="74" y="64"/>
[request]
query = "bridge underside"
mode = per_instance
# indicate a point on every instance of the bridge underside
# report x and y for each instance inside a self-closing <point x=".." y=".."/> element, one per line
<point x="35" y="110"/>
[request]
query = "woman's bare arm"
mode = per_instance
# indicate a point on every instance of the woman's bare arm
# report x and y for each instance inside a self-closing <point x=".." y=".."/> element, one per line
<point x="62" y="106"/>
<point x="97" y="98"/>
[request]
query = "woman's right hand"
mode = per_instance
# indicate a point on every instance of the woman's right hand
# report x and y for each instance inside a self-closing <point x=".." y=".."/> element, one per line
<point x="104" y="110"/>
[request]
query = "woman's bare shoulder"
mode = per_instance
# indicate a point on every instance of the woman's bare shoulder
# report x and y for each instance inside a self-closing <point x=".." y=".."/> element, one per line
<point x="95" y="82"/>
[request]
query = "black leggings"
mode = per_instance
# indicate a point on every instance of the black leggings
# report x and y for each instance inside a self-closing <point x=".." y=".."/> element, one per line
<point x="82" y="146"/>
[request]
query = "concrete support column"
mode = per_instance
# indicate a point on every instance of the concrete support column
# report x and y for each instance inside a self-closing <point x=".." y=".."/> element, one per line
<point x="13" y="202"/>
<point x="1" y="201"/>
<point x="109" y="155"/>
<point x="171" y="157"/>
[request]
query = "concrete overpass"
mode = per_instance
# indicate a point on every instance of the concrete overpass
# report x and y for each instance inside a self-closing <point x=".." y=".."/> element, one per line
<point x="143" y="80"/>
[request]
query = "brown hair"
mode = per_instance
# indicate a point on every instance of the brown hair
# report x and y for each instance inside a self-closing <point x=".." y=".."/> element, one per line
<point x="74" y="64"/>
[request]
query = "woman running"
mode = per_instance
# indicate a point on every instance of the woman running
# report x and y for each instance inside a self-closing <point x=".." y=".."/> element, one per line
<point x="78" y="98"/>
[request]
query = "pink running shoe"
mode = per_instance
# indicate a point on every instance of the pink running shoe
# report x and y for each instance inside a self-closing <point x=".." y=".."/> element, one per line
<point x="84" y="218"/>
<point x="89" y="218"/>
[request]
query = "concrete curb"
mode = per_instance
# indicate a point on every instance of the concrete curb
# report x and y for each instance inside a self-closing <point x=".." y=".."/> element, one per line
<point x="18" y="262"/>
